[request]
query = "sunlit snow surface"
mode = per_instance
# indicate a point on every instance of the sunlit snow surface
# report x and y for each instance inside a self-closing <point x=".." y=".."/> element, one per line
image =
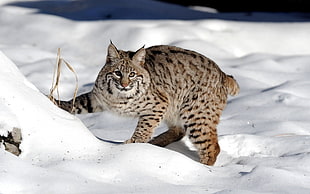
<point x="264" y="132"/>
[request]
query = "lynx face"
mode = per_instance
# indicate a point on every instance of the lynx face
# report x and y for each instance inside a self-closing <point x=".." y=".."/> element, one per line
<point x="125" y="75"/>
<point x="124" y="81"/>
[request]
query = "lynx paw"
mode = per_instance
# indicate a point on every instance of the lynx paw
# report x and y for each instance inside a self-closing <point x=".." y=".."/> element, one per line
<point x="129" y="141"/>
<point x="133" y="140"/>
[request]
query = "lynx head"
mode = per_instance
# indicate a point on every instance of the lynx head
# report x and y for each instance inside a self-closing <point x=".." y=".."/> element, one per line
<point x="123" y="74"/>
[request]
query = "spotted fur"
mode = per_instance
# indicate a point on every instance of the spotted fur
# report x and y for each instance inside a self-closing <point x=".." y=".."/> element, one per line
<point x="183" y="88"/>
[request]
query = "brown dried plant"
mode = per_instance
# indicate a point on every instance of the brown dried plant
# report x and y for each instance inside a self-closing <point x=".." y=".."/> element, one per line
<point x="56" y="79"/>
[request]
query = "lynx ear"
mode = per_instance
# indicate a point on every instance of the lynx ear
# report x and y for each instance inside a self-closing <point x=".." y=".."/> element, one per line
<point x="139" y="57"/>
<point x="112" y="53"/>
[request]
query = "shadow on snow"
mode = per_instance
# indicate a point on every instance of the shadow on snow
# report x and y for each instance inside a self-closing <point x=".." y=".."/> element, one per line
<point x="90" y="10"/>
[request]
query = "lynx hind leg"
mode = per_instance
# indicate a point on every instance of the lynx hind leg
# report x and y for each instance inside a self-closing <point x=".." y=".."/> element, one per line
<point x="200" y="126"/>
<point x="173" y="134"/>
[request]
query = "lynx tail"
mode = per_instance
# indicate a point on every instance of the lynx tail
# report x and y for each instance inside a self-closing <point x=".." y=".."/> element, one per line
<point x="232" y="85"/>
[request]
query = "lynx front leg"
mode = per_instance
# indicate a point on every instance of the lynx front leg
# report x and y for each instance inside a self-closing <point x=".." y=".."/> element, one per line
<point x="146" y="125"/>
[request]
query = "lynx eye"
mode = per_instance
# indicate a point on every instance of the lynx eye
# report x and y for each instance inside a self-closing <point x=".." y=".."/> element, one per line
<point x="132" y="74"/>
<point x="118" y="73"/>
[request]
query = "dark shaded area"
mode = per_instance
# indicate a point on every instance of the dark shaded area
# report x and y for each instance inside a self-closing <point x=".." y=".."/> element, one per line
<point x="12" y="141"/>
<point x="87" y="10"/>
<point x="111" y="9"/>
<point x="109" y="141"/>
<point x="249" y="6"/>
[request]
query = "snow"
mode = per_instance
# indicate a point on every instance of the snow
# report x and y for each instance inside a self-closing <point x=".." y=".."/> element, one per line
<point x="264" y="132"/>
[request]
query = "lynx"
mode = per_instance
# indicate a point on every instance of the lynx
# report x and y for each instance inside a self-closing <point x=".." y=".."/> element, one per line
<point x="182" y="88"/>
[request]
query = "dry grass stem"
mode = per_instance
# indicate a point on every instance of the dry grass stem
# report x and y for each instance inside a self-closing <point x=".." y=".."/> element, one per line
<point x="56" y="78"/>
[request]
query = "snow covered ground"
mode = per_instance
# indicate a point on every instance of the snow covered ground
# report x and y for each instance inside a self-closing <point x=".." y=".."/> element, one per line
<point x="264" y="132"/>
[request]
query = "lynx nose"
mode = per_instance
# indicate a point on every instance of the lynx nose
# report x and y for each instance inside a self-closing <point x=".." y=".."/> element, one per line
<point x="124" y="83"/>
